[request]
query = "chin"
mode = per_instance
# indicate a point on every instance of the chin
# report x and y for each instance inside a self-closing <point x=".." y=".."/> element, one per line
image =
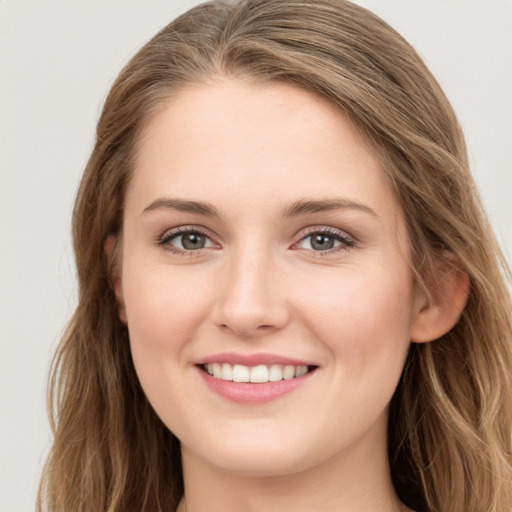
<point x="258" y="465"/>
<point x="260" y="458"/>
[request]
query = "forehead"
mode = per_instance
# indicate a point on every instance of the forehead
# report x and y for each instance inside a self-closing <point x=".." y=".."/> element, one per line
<point x="263" y="144"/>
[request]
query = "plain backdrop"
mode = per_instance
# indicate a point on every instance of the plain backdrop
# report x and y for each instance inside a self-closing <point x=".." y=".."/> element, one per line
<point x="58" y="59"/>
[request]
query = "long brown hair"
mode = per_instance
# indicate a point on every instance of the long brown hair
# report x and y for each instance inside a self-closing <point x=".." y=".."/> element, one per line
<point x="450" y="427"/>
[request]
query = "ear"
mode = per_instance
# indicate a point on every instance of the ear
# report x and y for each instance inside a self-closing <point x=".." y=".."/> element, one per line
<point x="439" y="307"/>
<point x="112" y="251"/>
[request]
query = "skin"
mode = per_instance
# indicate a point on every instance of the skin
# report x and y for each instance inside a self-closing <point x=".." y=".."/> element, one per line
<point x="258" y="285"/>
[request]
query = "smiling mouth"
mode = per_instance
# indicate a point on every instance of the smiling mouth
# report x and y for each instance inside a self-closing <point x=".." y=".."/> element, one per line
<point x="255" y="374"/>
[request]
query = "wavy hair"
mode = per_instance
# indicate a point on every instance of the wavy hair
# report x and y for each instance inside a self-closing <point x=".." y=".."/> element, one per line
<point x="450" y="426"/>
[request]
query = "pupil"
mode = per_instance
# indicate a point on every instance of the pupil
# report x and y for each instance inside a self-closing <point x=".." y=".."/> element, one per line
<point x="193" y="241"/>
<point x="322" y="242"/>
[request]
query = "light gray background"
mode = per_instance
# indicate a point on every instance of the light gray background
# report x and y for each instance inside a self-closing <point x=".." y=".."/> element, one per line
<point x="57" y="61"/>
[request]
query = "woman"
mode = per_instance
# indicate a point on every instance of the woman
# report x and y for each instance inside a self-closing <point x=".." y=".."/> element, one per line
<point x="289" y="295"/>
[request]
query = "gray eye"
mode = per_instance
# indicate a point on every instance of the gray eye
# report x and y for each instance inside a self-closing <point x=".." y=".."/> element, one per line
<point x="324" y="241"/>
<point x="321" y="242"/>
<point x="192" y="241"/>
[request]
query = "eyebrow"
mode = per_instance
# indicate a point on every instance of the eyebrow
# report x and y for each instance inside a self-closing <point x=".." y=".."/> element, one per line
<point x="198" y="207"/>
<point x="295" y="209"/>
<point x="305" y="206"/>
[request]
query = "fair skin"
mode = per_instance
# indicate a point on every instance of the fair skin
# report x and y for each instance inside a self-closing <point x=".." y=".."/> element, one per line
<point x="297" y="249"/>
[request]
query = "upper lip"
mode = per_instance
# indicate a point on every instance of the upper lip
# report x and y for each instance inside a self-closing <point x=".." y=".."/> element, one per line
<point x="251" y="359"/>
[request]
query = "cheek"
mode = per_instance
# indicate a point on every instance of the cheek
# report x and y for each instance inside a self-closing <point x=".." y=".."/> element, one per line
<point x="363" y="320"/>
<point x="162" y="301"/>
<point x="164" y="307"/>
<point x="363" y="316"/>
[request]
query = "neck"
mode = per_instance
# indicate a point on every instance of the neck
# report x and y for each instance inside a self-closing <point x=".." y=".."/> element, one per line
<point x="356" y="480"/>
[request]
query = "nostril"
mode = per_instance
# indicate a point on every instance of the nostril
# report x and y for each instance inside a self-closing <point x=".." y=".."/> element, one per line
<point x="261" y="328"/>
<point x="247" y="332"/>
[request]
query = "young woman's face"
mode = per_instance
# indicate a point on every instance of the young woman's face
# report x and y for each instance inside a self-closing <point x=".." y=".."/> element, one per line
<point x="261" y="241"/>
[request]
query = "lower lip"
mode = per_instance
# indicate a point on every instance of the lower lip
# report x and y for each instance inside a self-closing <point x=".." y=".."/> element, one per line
<point x="250" y="393"/>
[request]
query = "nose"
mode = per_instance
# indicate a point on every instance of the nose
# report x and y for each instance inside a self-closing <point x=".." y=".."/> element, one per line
<point x="251" y="297"/>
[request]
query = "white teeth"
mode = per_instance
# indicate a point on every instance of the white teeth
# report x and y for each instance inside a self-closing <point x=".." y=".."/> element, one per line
<point x="257" y="374"/>
<point x="275" y="373"/>
<point x="288" y="372"/>
<point x="217" y="370"/>
<point x="227" y="372"/>
<point x="300" y="371"/>
<point x="240" y="373"/>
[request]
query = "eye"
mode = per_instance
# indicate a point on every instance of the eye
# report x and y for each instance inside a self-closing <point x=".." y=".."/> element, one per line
<point x="325" y="240"/>
<point x="184" y="240"/>
<point x="190" y="241"/>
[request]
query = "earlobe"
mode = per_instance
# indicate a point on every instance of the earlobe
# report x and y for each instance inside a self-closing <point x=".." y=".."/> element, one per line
<point x="439" y="310"/>
<point x="112" y="252"/>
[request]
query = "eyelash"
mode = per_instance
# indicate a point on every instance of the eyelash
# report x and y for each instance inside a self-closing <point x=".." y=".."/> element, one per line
<point x="165" y="240"/>
<point x="346" y="241"/>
